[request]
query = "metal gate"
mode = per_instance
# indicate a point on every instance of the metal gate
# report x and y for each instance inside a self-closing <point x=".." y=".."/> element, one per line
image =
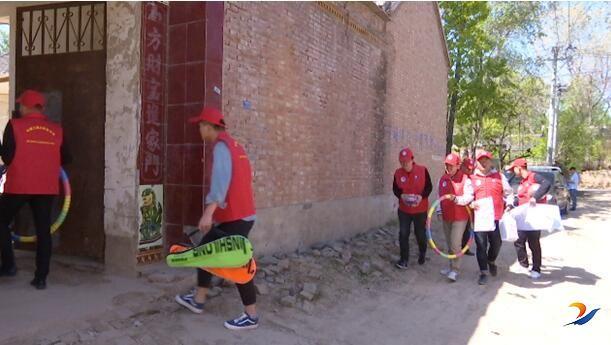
<point x="61" y="51"/>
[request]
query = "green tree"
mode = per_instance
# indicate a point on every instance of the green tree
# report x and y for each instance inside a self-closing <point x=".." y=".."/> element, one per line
<point x="465" y="35"/>
<point x="486" y="111"/>
<point x="530" y="99"/>
<point x="4" y="41"/>
<point x="483" y="86"/>
<point x="583" y="119"/>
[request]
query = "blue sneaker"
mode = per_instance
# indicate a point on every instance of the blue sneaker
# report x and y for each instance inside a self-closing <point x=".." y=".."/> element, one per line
<point x="188" y="301"/>
<point x="242" y="322"/>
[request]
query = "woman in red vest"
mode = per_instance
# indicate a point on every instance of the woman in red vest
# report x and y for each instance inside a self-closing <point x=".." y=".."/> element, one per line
<point x="412" y="186"/>
<point x="532" y="190"/>
<point x="33" y="148"/>
<point x="489" y="183"/>
<point x="453" y="211"/>
<point x="229" y="210"/>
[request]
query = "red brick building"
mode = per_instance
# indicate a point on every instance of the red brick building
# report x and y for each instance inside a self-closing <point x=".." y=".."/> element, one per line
<point x="322" y="94"/>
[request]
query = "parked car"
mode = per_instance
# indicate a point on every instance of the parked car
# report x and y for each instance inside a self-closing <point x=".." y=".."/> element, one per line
<point x="544" y="168"/>
<point x="558" y="194"/>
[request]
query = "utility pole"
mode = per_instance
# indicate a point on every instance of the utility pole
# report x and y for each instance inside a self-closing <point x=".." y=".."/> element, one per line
<point x="553" y="114"/>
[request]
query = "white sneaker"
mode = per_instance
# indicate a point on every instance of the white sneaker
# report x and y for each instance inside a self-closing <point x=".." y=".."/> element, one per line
<point x="453" y="275"/>
<point x="445" y="271"/>
<point x="535" y="275"/>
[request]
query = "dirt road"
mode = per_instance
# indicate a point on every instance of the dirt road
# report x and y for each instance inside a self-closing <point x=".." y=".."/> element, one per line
<point x="417" y="306"/>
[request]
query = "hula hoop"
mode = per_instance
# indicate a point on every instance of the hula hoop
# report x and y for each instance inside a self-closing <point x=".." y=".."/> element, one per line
<point x="429" y="236"/>
<point x="62" y="215"/>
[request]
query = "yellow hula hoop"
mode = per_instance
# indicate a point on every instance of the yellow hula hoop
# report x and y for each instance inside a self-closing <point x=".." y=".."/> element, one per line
<point x="62" y="215"/>
<point x="429" y="236"/>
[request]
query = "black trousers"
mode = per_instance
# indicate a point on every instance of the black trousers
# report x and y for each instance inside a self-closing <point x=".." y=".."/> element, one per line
<point x="488" y="246"/>
<point x="466" y="235"/>
<point x="41" y="206"/>
<point x="248" y="292"/>
<point x="534" y="244"/>
<point x="405" y="223"/>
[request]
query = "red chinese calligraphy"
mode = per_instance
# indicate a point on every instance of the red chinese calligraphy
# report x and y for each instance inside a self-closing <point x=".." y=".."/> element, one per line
<point x="152" y="164"/>
<point x="152" y="114"/>
<point x="153" y="39"/>
<point x="152" y="62"/>
<point x="153" y="13"/>
<point x="153" y="91"/>
<point x="152" y="140"/>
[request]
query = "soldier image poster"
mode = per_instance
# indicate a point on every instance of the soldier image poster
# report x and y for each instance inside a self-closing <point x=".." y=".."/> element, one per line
<point x="150" y="220"/>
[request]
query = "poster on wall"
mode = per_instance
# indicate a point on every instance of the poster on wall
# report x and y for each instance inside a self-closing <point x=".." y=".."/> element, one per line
<point x="150" y="223"/>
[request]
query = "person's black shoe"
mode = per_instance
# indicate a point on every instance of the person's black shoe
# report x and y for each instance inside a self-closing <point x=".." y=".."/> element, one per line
<point x="8" y="272"/>
<point x="421" y="259"/>
<point x="493" y="269"/>
<point x="39" y="284"/>
<point x="483" y="279"/>
<point x="401" y="264"/>
<point x="470" y="253"/>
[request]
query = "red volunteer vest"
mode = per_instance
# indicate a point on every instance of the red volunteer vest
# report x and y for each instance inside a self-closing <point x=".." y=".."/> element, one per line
<point x="525" y="185"/>
<point x="240" y="200"/>
<point x="490" y="186"/>
<point x="412" y="183"/>
<point x="36" y="165"/>
<point x="451" y="212"/>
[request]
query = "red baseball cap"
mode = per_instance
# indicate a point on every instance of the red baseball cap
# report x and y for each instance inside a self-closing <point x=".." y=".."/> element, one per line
<point x="31" y="98"/>
<point x="468" y="163"/>
<point x="210" y="115"/>
<point x="405" y="155"/>
<point x="452" y="159"/>
<point x="484" y="154"/>
<point x="520" y="162"/>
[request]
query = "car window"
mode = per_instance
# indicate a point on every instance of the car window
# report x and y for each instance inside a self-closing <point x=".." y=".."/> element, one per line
<point x="560" y="179"/>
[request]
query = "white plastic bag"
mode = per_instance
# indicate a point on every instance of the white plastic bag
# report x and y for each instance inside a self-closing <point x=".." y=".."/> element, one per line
<point x="539" y="217"/>
<point x="508" y="228"/>
<point x="484" y="215"/>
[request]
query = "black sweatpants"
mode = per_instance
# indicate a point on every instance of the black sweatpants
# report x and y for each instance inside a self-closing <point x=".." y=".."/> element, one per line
<point x="533" y="238"/>
<point x="466" y="235"/>
<point x="41" y="206"/>
<point x="247" y="291"/>
<point x="488" y="246"/>
<point x="405" y="223"/>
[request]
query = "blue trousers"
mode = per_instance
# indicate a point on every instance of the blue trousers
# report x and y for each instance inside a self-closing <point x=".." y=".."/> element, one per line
<point x="573" y="193"/>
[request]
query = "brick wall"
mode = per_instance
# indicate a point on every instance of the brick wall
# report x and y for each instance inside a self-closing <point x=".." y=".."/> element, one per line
<point x="417" y="86"/>
<point x="315" y="90"/>
<point x="324" y="96"/>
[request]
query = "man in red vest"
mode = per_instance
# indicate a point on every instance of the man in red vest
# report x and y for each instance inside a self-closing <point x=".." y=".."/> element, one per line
<point x="489" y="183"/>
<point x="453" y="211"/>
<point x="467" y="167"/>
<point x="412" y="186"/>
<point x="33" y="149"/>
<point x="229" y="209"/>
<point x="532" y="190"/>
